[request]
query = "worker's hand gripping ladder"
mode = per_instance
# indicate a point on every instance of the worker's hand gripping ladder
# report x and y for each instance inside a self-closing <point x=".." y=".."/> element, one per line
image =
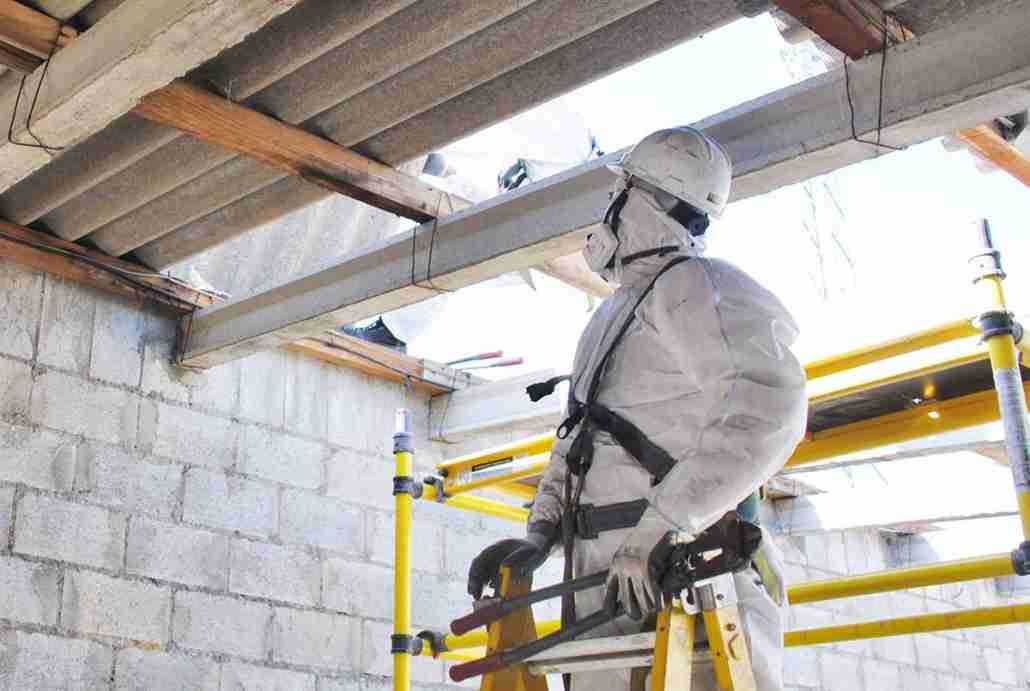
<point x="698" y="582"/>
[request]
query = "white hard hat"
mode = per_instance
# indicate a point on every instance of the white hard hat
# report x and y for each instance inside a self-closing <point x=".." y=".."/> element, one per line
<point x="685" y="163"/>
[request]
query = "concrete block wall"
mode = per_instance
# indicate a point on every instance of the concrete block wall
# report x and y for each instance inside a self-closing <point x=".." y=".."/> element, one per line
<point x="231" y="529"/>
<point x="983" y="659"/>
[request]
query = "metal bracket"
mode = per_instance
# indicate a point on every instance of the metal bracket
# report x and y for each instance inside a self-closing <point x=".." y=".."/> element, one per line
<point x="716" y="592"/>
<point x="1021" y="559"/>
<point x="437" y="484"/>
<point x="402" y="443"/>
<point x="405" y="484"/>
<point x="998" y="323"/>
<point x="436" y="641"/>
<point x="403" y="643"/>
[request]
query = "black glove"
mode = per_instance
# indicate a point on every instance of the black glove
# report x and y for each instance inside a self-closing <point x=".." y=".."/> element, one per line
<point x="524" y="556"/>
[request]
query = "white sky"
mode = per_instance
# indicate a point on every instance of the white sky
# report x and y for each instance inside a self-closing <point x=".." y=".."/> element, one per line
<point x="905" y="224"/>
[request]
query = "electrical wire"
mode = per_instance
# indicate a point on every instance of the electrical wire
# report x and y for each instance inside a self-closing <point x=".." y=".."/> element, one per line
<point x="879" y="110"/>
<point x="49" y="150"/>
<point x="428" y="282"/>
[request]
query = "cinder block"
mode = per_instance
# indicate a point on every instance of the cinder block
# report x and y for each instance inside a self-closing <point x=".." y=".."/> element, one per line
<point x="15" y="385"/>
<point x="881" y="676"/>
<point x="6" y="509"/>
<point x="84" y="407"/>
<point x="306" y="391"/>
<point x="221" y="624"/>
<point x="230" y="502"/>
<point x="357" y="588"/>
<point x="435" y="602"/>
<point x="843" y="670"/>
<point x="61" y="530"/>
<point x="354" y="682"/>
<point x="917" y="679"/>
<point x="37" y="457"/>
<point x="66" y="327"/>
<point x="949" y="682"/>
<point x="281" y="458"/>
<point x="218" y="388"/>
<point x="801" y="666"/>
<point x="360" y="479"/>
<point x="932" y="652"/>
<point x="189" y="436"/>
<point x="966" y="659"/>
<point x="176" y="553"/>
<point x="117" y="341"/>
<point x="111" y="476"/>
<point x="376" y="658"/>
<point x="240" y="677"/>
<point x="95" y="603"/>
<point x="856" y="551"/>
<point x="38" y="661"/>
<point x="143" y="670"/>
<point x="160" y="375"/>
<point x="28" y="592"/>
<point x="274" y="572"/>
<point x="366" y="426"/>
<point x="20" y="304"/>
<point x="310" y="519"/>
<point x="428" y="536"/>
<point x="331" y="641"/>
<point x="1002" y="666"/>
<point x="895" y="649"/>
<point x="263" y="387"/>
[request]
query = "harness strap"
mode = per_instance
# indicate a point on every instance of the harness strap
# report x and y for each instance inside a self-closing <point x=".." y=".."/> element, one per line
<point x="592" y="520"/>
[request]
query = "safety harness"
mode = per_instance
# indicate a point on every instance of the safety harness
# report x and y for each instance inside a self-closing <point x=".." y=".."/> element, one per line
<point x="591" y="416"/>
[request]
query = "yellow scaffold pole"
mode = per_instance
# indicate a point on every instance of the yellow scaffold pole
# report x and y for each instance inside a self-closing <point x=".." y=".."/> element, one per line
<point x="993" y="566"/>
<point x="401" y="642"/>
<point x="902" y="626"/>
<point x="999" y="333"/>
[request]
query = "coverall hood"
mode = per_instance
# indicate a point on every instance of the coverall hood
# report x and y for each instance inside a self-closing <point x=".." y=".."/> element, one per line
<point x="644" y="226"/>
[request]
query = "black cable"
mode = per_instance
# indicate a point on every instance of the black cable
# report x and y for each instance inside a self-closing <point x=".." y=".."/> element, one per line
<point x="428" y="282"/>
<point x="879" y="110"/>
<point x="32" y="107"/>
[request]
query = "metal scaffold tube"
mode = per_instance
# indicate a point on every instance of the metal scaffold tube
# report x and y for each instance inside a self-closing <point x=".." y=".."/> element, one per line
<point x="999" y="333"/>
<point x="403" y="491"/>
<point x="993" y="566"/>
<point x="902" y="626"/>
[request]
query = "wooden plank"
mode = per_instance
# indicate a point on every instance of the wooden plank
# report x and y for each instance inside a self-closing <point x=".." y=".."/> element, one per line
<point x="31" y="31"/>
<point x="377" y="361"/>
<point x="573" y="270"/>
<point x="68" y="260"/>
<point x="320" y="161"/>
<point x="989" y="144"/>
<point x="17" y="59"/>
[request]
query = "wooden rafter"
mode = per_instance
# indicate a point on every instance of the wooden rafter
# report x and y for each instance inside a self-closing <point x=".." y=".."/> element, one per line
<point x="31" y="32"/>
<point x="985" y="141"/>
<point x="214" y="119"/>
<point x="77" y="263"/>
<point x="854" y="27"/>
<point x="860" y="27"/>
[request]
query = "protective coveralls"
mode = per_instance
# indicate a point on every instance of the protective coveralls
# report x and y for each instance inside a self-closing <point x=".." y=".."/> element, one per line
<point x="705" y="371"/>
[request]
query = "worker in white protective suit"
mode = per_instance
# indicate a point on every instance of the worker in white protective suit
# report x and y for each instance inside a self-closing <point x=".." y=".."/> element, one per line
<point x="702" y="370"/>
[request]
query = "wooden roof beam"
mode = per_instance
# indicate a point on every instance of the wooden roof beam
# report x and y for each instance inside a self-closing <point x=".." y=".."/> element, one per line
<point x="69" y="260"/>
